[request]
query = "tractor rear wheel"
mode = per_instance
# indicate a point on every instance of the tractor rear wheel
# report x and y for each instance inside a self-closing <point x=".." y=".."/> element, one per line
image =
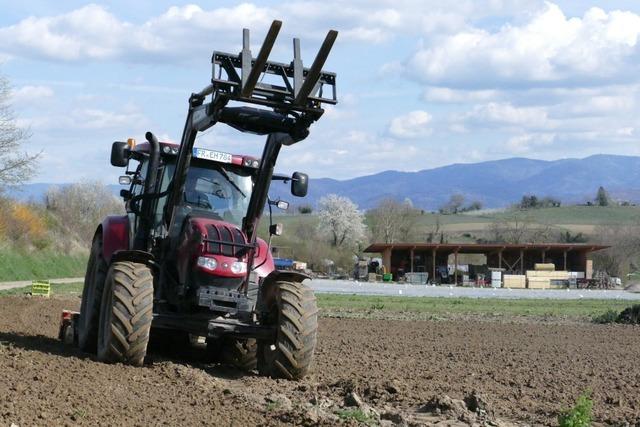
<point x="92" y="297"/>
<point x="239" y="353"/>
<point x="126" y="313"/>
<point x="291" y="308"/>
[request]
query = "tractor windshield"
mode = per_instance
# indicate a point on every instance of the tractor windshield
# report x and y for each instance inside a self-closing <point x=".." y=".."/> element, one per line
<point x="220" y="189"/>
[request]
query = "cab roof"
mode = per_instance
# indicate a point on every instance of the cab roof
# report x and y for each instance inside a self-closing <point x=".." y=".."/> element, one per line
<point x="171" y="149"/>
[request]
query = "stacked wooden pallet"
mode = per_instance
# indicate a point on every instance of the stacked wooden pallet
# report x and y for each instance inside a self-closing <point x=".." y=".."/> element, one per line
<point x="544" y="279"/>
<point x="515" y="281"/>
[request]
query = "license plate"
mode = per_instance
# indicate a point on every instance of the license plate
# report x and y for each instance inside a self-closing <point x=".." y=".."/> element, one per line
<point x="216" y="156"/>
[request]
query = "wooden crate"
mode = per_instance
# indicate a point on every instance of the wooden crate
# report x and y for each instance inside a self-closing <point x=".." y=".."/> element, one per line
<point x="515" y="281"/>
<point x="552" y="275"/>
<point x="538" y="282"/>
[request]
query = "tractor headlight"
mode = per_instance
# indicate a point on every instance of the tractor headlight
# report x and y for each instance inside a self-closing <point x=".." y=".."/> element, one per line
<point x="208" y="263"/>
<point x="239" y="267"/>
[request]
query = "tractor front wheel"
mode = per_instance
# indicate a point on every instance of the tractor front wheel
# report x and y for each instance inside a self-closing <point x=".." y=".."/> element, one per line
<point x="92" y="297"/>
<point x="126" y="313"/>
<point x="291" y="308"/>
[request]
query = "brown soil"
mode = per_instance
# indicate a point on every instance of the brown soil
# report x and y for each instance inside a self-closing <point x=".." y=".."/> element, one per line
<point x="394" y="372"/>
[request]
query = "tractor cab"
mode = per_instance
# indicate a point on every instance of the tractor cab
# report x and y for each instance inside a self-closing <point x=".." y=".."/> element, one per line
<point x="218" y="185"/>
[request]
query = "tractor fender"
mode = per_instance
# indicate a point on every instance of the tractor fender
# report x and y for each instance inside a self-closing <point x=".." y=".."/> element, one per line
<point x="266" y="292"/>
<point x="263" y="260"/>
<point x="115" y="235"/>
<point x="290" y="276"/>
<point x="142" y="257"/>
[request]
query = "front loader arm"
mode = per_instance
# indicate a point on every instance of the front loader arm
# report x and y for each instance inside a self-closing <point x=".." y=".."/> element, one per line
<point x="295" y="105"/>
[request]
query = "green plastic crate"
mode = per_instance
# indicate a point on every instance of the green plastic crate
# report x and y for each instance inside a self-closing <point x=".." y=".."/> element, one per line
<point x="41" y="288"/>
<point x="387" y="277"/>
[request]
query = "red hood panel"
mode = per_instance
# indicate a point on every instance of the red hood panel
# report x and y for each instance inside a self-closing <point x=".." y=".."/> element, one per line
<point x="223" y="231"/>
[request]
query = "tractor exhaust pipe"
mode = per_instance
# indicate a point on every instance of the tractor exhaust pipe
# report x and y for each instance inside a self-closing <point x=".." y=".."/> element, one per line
<point x="141" y="240"/>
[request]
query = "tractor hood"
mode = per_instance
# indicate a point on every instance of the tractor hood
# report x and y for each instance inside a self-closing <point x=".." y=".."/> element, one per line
<point x="218" y="248"/>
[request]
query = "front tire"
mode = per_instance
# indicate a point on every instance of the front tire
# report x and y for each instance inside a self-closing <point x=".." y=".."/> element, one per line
<point x="92" y="297"/>
<point x="126" y="313"/>
<point x="292" y="309"/>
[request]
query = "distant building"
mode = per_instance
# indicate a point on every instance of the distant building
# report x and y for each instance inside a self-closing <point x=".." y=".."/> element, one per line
<point x="400" y="258"/>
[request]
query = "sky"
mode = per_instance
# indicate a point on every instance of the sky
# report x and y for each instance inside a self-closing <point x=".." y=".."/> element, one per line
<point x="420" y="83"/>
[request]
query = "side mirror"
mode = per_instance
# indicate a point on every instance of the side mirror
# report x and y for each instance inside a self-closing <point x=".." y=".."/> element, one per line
<point x="124" y="180"/>
<point x="299" y="184"/>
<point x="119" y="154"/>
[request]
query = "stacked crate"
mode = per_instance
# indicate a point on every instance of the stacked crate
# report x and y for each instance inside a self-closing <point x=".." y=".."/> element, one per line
<point x="544" y="277"/>
<point x="515" y="281"/>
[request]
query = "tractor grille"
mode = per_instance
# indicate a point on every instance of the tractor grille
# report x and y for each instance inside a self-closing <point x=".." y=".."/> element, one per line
<point x="224" y="233"/>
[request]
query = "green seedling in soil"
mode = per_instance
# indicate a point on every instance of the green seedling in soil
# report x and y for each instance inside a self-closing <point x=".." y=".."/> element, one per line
<point x="580" y="414"/>
<point x="78" y="414"/>
<point x="272" y="406"/>
<point x="356" y="414"/>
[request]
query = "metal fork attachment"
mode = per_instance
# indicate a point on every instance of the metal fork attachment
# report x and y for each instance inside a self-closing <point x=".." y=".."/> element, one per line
<point x="238" y="77"/>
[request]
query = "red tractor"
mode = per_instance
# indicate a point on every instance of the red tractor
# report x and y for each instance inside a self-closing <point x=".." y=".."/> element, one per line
<point x="186" y="259"/>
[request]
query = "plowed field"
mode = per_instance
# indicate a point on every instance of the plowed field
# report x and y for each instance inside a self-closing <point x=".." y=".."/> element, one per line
<point x="366" y="371"/>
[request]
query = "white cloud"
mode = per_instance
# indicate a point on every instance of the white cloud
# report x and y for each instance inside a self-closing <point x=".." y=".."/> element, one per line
<point x="94" y="32"/>
<point x="411" y="125"/>
<point x="89" y="119"/>
<point x="505" y="114"/>
<point x="547" y="49"/>
<point x="448" y="95"/>
<point x="30" y="94"/>
<point x="527" y="143"/>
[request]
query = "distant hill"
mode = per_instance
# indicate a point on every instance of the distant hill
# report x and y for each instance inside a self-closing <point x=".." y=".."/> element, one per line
<point x="495" y="183"/>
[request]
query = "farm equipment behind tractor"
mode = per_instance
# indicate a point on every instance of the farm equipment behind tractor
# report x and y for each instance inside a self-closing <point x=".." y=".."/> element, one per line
<point x="186" y="259"/>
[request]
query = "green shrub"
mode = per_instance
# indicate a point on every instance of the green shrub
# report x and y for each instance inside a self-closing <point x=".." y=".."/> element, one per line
<point x="609" y="316"/>
<point x="579" y="415"/>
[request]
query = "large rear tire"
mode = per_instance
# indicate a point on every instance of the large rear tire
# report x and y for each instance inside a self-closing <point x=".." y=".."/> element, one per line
<point x="292" y="310"/>
<point x="126" y="313"/>
<point x="239" y="353"/>
<point x="92" y="297"/>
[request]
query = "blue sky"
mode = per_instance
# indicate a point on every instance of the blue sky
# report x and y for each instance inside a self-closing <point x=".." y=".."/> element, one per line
<point x="421" y="83"/>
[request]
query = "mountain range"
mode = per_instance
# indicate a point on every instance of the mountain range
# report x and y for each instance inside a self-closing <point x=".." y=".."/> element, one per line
<point x="495" y="183"/>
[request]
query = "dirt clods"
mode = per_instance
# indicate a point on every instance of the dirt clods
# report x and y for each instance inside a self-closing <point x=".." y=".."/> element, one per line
<point x="366" y="372"/>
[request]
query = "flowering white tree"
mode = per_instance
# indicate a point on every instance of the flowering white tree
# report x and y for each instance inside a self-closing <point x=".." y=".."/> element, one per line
<point x="16" y="166"/>
<point x="340" y="220"/>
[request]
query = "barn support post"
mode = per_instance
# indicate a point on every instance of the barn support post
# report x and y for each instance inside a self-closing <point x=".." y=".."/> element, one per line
<point x="564" y="253"/>
<point x="521" y="261"/>
<point x="386" y="260"/>
<point x="455" y="268"/>
<point x="500" y="258"/>
<point x="433" y="266"/>
<point x="411" y="255"/>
